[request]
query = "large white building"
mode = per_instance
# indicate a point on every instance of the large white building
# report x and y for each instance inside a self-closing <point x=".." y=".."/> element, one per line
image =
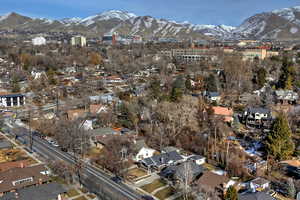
<point x="12" y="100"/>
<point x="78" y="41"/>
<point x="38" y="41"/>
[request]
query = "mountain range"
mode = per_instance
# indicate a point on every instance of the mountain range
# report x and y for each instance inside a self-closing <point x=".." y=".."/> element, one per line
<point x="278" y="24"/>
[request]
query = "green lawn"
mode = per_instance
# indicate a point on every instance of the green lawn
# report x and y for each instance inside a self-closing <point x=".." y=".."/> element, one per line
<point x="154" y="185"/>
<point x="165" y="193"/>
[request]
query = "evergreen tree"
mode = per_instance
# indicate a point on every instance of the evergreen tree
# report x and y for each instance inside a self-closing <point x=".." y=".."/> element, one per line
<point x="279" y="141"/>
<point x="188" y="84"/>
<point x="231" y="194"/>
<point x="261" y="77"/>
<point x="176" y="94"/>
<point x="287" y="76"/>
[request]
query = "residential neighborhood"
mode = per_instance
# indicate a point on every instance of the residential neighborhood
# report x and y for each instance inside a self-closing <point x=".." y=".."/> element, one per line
<point x="188" y="114"/>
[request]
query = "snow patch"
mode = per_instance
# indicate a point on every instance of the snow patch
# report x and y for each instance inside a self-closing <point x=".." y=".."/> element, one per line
<point x="5" y="16"/>
<point x="294" y="30"/>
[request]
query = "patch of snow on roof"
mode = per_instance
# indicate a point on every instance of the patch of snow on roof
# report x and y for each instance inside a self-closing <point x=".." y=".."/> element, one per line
<point x="294" y="30"/>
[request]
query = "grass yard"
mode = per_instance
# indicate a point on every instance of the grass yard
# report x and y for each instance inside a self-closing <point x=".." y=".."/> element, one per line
<point x="136" y="173"/>
<point x="154" y="185"/>
<point x="83" y="190"/>
<point x="209" y="166"/>
<point x="81" y="198"/>
<point x="165" y="193"/>
<point x="72" y="193"/>
<point x="92" y="196"/>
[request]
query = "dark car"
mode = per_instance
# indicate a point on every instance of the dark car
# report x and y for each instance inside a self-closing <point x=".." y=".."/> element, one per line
<point x="147" y="197"/>
<point x="116" y="179"/>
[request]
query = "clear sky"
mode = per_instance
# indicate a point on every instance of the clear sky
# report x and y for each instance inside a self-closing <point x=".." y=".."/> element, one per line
<point x="228" y="12"/>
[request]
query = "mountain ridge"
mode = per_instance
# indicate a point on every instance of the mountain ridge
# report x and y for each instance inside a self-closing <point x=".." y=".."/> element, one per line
<point x="277" y="24"/>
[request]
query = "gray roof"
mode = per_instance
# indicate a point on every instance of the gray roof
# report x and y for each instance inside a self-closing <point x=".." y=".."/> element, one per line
<point x="177" y="171"/>
<point x="169" y="149"/>
<point x="213" y="94"/>
<point x="41" y="192"/>
<point x="4" y="144"/>
<point x="163" y="159"/>
<point x="195" y="157"/>
<point x="256" y="196"/>
<point x="102" y="131"/>
<point x="258" y="110"/>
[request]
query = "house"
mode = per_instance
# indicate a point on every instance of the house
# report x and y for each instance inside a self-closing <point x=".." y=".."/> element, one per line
<point x="142" y="150"/>
<point x="48" y="191"/>
<point x="38" y="41"/>
<point x="286" y="96"/>
<point x="97" y="108"/>
<point x="12" y="100"/>
<point x="213" y="97"/>
<point x="225" y="113"/>
<point x="75" y="114"/>
<point x="18" y="178"/>
<point x="78" y="41"/>
<point x="199" y="160"/>
<point x="177" y="173"/>
<point x="100" y="136"/>
<point x="4" y="166"/>
<point x="259" y="184"/>
<point x="162" y="160"/>
<point x="257" y="116"/>
<point x="214" y="182"/>
<point x="256" y="196"/>
<point x="170" y="149"/>
<point x="4" y="144"/>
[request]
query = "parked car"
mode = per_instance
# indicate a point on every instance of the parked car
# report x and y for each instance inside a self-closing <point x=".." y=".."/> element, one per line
<point x="116" y="179"/>
<point x="147" y="197"/>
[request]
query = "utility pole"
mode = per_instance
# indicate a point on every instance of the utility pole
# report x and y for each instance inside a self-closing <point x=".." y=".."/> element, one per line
<point x="57" y="103"/>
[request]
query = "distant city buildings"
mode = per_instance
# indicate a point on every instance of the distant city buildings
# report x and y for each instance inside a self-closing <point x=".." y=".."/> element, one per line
<point x="12" y="100"/>
<point x="38" y="41"/>
<point x="78" y="41"/>
<point x="115" y="38"/>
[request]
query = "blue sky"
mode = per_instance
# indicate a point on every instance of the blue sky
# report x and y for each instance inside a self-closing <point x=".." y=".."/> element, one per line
<point x="229" y="12"/>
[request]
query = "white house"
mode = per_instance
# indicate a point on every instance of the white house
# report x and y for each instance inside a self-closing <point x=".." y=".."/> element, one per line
<point x="199" y="160"/>
<point x="143" y="153"/>
<point x="38" y="41"/>
<point x="12" y="100"/>
<point x="259" y="184"/>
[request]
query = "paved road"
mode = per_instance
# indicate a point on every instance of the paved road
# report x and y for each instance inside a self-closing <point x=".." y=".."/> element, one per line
<point x="96" y="178"/>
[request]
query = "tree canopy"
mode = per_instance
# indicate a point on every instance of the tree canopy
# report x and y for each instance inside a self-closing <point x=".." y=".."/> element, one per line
<point x="279" y="141"/>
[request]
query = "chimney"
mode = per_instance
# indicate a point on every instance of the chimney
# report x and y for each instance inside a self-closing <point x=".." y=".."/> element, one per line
<point x="22" y="165"/>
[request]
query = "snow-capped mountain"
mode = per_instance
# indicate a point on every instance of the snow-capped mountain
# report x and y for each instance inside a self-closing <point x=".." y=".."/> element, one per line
<point x="277" y="24"/>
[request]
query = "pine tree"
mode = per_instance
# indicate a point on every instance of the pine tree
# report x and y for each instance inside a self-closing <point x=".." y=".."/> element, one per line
<point x="261" y="77"/>
<point x="231" y="194"/>
<point x="279" y="141"/>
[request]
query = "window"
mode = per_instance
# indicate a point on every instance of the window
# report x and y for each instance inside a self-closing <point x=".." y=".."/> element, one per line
<point x="21" y="181"/>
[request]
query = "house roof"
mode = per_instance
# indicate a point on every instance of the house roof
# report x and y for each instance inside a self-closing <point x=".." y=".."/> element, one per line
<point x="103" y="131"/>
<point x="10" y="165"/>
<point x="4" y="144"/>
<point x="218" y="110"/>
<point x="163" y="159"/>
<point x="179" y="170"/>
<point x="195" y="157"/>
<point x="169" y="149"/>
<point x="15" y="174"/>
<point x="212" y="180"/>
<point x="294" y="163"/>
<point x="40" y="192"/>
<point x="260" y="181"/>
<point x="213" y="94"/>
<point x="258" y="110"/>
<point x="11" y="95"/>
<point x="95" y="108"/>
<point x="139" y="144"/>
<point x="76" y="113"/>
<point x="256" y="196"/>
